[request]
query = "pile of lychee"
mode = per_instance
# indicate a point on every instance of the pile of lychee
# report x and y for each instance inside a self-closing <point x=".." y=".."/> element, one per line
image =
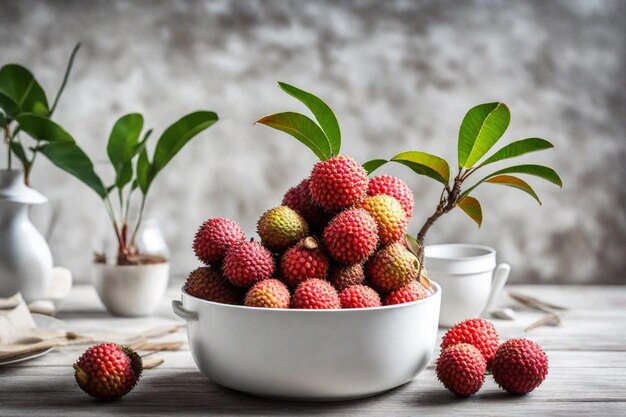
<point x="471" y="348"/>
<point x="337" y="241"/>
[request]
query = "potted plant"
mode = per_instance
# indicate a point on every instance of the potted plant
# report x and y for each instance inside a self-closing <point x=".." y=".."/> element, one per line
<point x="133" y="283"/>
<point x="25" y="259"/>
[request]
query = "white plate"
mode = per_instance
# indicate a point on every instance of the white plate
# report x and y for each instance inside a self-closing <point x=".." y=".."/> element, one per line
<point x="45" y="322"/>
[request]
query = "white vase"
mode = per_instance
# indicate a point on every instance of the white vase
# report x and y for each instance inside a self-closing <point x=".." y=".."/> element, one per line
<point x="25" y="259"/>
<point x="131" y="290"/>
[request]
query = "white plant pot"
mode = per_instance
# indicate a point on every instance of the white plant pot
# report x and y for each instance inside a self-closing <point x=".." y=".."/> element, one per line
<point x="320" y="355"/>
<point x="25" y="259"/>
<point x="131" y="290"/>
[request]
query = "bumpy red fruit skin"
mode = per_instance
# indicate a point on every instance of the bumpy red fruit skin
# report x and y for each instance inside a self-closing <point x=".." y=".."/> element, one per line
<point x="461" y="368"/>
<point x="248" y="263"/>
<point x="210" y="285"/>
<point x="299" y="199"/>
<point x="303" y="261"/>
<point x="519" y="366"/>
<point x="477" y="332"/>
<point x="413" y="291"/>
<point x="108" y="371"/>
<point x="343" y="276"/>
<point x="392" y="267"/>
<point x="359" y="296"/>
<point x="338" y="182"/>
<point x="315" y="294"/>
<point x="394" y="187"/>
<point x="214" y="238"/>
<point x="269" y="293"/>
<point x="351" y="236"/>
<point x="389" y="215"/>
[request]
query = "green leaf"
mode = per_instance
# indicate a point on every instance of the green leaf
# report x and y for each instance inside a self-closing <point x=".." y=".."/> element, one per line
<point x="481" y="128"/>
<point x="425" y="164"/>
<point x="20" y="92"/>
<point x="143" y="171"/>
<point x="471" y="207"/>
<point x="42" y="128"/>
<point x="373" y="165"/>
<point x="518" y="148"/>
<point x="302" y="128"/>
<point x="540" y="171"/>
<point x="177" y="135"/>
<point x="511" y="181"/>
<point x="66" y="76"/>
<point x="412" y="244"/>
<point x="122" y="145"/>
<point x="69" y="157"/>
<point x="322" y="112"/>
<point x="20" y="153"/>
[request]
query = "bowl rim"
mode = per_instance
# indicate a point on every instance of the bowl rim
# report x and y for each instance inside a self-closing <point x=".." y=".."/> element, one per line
<point x="434" y="295"/>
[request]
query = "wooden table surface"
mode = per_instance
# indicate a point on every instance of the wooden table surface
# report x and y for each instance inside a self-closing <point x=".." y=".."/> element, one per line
<point x="587" y="375"/>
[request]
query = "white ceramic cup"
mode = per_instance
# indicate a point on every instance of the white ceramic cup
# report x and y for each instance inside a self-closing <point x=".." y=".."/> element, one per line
<point x="469" y="279"/>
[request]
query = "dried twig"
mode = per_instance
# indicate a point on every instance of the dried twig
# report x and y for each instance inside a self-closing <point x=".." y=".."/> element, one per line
<point x="549" y="320"/>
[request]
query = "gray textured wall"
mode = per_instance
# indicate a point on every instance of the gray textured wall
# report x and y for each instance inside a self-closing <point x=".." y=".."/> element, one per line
<point x="400" y="76"/>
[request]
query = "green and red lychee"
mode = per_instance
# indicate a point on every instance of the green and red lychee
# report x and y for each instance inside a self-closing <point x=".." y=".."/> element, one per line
<point x="519" y="366"/>
<point x="389" y="215"/>
<point x="351" y="236"/>
<point x="394" y="187"/>
<point x="269" y="293"/>
<point x="214" y="238"/>
<point x="359" y="296"/>
<point x="315" y="294"/>
<point x="303" y="261"/>
<point x="392" y="267"/>
<point x="248" y="263"/>
<point x="413" y="291"/>
<point x="343" y="276"/>
<point x="108" y="371"/>
<point x="281" y="227"/>
<point x="209" y="284"/>
<point x="338" y="183"/>
<point x="461" y="368"/>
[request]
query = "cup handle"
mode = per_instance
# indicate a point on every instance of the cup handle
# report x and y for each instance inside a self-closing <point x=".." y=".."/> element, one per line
<point x="500" y="276"/>
<point x="182" y="312"/>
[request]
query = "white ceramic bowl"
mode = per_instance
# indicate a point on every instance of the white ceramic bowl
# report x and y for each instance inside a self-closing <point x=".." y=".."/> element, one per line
<point x="320" y="355"/>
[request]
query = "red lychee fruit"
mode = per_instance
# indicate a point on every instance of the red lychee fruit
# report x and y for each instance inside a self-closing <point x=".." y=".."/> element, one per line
<point x="394" y="187"/>
<point x="210" y="285"/>
<point x="315" y="294"/>
<point x="281" y="227"/>
<point x="108" y="371"/>
<point x="247" y="263"/>
<point x="359" y="296"/>
<point x="389" y="216"/>
<point x="269" y="293"/>
<point x="343" y="276"/>
<point x="303" y="261"/>
<point x="413" y="291"/>
<point x="391" y="267"/>
<point x="338" y="183"/>
<point x="519" y="366"/>
<point x="461" y="368"/>
<point x="478" y="333"/>
<point x="351" y="236"/>
<point x="299" y="199"/>
<point x="214" y="238"/>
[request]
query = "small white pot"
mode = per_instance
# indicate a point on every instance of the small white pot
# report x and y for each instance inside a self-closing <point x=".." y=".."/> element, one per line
<point x="319" y="355"/>
<point x="469" y="278"/>
<point x="131" y="290"/>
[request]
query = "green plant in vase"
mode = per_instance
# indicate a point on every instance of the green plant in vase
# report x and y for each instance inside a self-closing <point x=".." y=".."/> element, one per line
<point x="481" y="128"/>
<point x="134" y="170"/>
<point x="24" y="102"/>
